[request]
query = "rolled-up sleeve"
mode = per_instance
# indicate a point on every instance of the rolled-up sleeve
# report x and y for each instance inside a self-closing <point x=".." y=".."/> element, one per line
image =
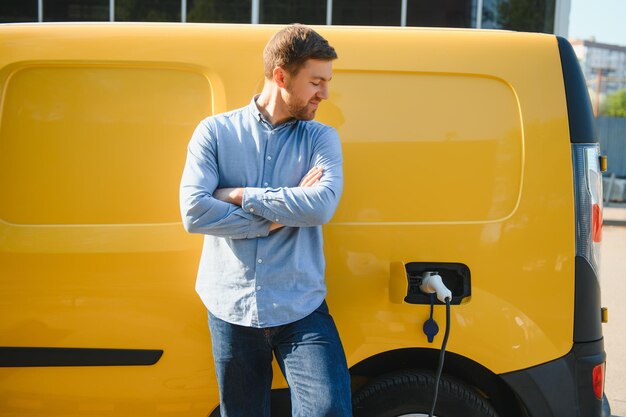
<point x="200" y="212"/>
<point x="304" y="206"/>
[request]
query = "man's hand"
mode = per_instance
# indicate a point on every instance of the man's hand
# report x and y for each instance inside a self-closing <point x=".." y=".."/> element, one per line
<point x="311" y="178"/>
<point x="235" y="195"/>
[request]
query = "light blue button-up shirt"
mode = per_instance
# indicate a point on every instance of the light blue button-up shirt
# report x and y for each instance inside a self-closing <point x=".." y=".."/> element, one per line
<point x="247" y="275"/>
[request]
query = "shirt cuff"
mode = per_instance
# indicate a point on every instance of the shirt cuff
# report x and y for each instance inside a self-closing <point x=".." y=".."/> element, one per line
<point x="253" y="202"/>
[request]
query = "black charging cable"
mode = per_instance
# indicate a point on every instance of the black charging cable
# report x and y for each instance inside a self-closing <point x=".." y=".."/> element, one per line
<point x="441" y="357"/>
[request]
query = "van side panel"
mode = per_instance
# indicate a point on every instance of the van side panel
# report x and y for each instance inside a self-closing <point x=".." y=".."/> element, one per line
<point x="503" y="205"/>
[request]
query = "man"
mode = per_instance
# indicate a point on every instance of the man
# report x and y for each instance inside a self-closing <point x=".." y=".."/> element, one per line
<point x="259" y="182"/>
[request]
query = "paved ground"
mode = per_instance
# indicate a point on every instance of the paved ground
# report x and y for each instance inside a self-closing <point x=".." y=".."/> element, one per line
<point x="613" y="272"/>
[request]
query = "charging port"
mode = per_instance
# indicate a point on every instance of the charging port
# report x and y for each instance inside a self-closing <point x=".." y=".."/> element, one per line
<point x="455" y="276"/>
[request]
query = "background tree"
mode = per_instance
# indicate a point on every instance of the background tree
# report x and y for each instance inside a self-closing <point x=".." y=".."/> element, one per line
<point x="526" y="15"/>
<point x="614" y="104"/>
<point x="147" y="10"/>
<point x="218" y="11"/>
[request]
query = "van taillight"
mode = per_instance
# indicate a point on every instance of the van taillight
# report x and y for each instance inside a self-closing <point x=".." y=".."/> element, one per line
<point x="596" y="223"/>
<point x="598" y="380"/>
<point x="588" y="201"/>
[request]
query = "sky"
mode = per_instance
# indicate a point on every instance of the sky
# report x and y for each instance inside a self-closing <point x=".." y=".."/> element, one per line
<point x="604" y="19"/>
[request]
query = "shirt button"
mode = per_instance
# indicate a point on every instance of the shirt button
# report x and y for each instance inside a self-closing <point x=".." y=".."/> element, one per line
<point x="260" y="260"/>
<point x="276" y="219"/>
<point x="265" y="184"/>
<point x="258" y="287"/>
<point x="269" y="157"/>
<point x="258" y="235"/>
<point x="251" y="209"/>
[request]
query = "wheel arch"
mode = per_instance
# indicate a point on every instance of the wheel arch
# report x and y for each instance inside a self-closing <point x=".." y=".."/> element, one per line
<point x="464" y="369"/>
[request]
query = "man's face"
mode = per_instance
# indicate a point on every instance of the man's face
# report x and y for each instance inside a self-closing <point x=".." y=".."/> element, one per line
<point x="304" y="91"/>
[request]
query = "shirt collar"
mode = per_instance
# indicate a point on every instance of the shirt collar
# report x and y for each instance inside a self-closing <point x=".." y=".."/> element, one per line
<point x="254" y="110"/>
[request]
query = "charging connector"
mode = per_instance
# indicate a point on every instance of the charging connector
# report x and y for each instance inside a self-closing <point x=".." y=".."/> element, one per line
<point x="432" y="283"/>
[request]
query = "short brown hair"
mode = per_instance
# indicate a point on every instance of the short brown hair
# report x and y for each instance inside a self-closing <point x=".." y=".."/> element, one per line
<point x="292" y="46"/>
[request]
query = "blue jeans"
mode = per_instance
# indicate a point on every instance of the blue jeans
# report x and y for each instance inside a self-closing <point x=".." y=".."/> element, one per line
<point x="309" y="354"/>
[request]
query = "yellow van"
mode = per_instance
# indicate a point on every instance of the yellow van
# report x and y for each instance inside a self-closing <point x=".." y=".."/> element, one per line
<point x="466" y="152"/>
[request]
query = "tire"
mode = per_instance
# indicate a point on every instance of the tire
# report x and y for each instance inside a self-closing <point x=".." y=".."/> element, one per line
<point x="410" y="394"/>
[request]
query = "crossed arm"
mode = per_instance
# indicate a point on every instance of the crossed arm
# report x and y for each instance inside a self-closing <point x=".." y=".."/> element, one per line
<point x="235" y="195"/>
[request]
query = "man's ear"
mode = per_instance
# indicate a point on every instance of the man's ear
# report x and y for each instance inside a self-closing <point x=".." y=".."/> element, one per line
<point x="279" y="75"/>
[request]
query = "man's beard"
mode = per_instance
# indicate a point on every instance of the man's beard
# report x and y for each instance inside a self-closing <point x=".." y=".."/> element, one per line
<point x="300" y="110"/>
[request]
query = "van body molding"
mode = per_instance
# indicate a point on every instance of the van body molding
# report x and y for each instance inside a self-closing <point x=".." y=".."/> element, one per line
<point x="49" y="356"/>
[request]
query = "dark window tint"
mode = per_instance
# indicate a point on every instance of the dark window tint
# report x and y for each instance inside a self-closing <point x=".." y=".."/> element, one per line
<point x="442" y="13"/>
<point x="147" y="10"/>
<point x="18" y="11"/>
<point x="75" y="10"/>
<point x="367" y="12"/>
<point x="219" y="11"/>
<point x="312" y="12"/>
<point x="522" y="15"/>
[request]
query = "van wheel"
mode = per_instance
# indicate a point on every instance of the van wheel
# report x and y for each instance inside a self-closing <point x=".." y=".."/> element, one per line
<point x="410" y="394"/>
